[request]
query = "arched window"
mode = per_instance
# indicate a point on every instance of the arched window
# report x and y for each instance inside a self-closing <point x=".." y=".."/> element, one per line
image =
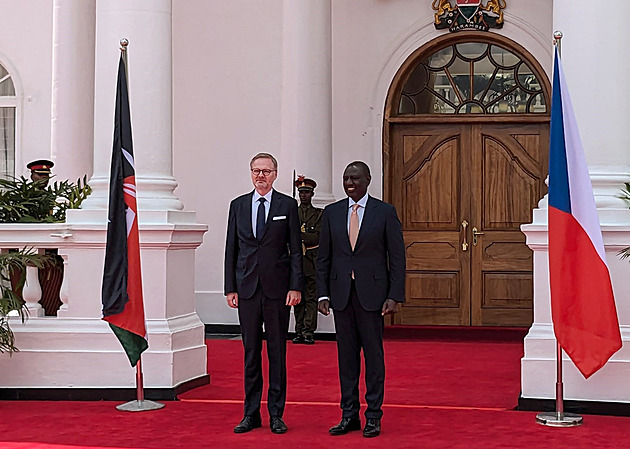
<point x="8" y="103"/>
<point x="472" y="78"/>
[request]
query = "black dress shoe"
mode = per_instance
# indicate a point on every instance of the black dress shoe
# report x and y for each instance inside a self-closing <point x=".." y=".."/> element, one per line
<point x="372" y="428"/>
<point x="248" y="423"/>
<point x="277" y="425"/>
<point x="308" y="340"/>
<point x="345" y="426"/>
<point x="299" y="339"/>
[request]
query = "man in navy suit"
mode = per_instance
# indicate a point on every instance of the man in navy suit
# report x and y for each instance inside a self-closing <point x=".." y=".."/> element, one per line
<point x="361" y="275"/>
<point x="263" y="279"/>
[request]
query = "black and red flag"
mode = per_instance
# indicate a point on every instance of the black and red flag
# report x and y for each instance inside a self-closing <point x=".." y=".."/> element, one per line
<point x="123" y="306"/>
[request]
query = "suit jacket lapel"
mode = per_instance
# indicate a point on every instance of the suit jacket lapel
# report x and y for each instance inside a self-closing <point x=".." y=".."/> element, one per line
<point x="368" y="217"/>
<point x="248" y="214"/>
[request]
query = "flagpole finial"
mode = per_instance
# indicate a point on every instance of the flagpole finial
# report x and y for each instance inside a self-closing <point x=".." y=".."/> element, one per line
<point x="557" y="35"/>
<point x="123" y="44"/>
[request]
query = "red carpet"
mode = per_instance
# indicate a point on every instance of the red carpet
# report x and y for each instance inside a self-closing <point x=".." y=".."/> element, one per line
<point x="439" y="394"/>
<point x="421" y="373"/>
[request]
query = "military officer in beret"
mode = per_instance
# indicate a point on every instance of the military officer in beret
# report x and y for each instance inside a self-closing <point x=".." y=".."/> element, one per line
<point x="40" y="170"/>
<point x="310" y="222"/>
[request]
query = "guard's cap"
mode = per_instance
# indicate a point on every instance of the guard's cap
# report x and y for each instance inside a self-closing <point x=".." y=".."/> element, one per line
<point x="303" y="183"/>
<point x="41" y="166"/>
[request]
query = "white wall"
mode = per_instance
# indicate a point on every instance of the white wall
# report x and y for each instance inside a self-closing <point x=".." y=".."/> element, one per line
<point x="26" y="52"/>
<point x="371" y="40"/>
<point x="596" y="64"/>
<point x="227" y="97"/>
<point x="227" y="81"/>
<point x="226" y="84"/>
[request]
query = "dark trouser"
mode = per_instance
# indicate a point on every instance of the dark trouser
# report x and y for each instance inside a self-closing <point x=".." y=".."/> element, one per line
<point x="306" y="311"/>
<point x="252" y="313"/>
<point x="357" y="328"/>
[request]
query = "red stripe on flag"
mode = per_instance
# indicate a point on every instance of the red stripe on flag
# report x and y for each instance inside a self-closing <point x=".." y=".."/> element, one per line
<point x="132" y="316"/>
<point x="582" y="301"/>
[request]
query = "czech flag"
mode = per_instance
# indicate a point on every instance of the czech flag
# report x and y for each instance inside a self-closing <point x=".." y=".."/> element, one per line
<point x="123" y="305"/>
<point x="582" y="302"/>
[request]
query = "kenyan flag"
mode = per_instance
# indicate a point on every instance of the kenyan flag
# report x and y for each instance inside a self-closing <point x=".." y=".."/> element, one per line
<point x="123" y="306"/>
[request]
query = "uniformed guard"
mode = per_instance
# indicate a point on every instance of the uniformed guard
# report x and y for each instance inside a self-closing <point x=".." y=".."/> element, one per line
<point x="40" y="169"/>
<point x="51" y="274"/>
<point x="311" y="222"/>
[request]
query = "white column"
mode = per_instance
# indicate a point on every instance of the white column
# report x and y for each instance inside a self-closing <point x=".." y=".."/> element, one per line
<point x="147" y="26"/>
<point x="306" y="136"/>
<point x="72" y="115"/>
<point x="168" y="235"/>
<point x="594" y="49"/>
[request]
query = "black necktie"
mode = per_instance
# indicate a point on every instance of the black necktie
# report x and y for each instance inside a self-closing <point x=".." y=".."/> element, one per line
<point x="260" y="219"/>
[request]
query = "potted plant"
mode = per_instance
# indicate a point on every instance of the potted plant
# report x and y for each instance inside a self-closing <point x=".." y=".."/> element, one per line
<point x="12" y="278"/>
<point x="25" y="201"/>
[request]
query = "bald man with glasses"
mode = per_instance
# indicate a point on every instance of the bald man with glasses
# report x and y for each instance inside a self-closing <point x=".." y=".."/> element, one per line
<point x="263" y="279"/>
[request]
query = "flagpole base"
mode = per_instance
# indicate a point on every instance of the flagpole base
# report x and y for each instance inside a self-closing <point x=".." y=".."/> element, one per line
<point x="556" y="419"/>
<point x="139" y="406"/>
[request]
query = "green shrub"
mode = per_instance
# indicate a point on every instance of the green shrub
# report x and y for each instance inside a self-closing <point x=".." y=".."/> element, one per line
<point x="625" y="195"/>
<point x="24" y="201"/>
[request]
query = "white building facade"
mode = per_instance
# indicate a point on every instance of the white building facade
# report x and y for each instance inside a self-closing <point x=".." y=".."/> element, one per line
<point x="318" y="83"/>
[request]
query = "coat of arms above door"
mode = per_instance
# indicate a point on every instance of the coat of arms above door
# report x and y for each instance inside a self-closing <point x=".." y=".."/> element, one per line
<point x="468" y="14"/>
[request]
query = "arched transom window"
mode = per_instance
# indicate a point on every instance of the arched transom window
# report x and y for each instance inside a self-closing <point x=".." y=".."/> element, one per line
<point x="472" y="78"/>
<point x="8" y="103"/>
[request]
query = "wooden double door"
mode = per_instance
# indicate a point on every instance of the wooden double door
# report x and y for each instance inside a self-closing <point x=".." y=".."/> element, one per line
<point x="462" y="190"/>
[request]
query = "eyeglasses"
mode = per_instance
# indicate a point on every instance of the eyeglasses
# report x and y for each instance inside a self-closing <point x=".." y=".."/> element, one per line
<point x="258" y="171"/>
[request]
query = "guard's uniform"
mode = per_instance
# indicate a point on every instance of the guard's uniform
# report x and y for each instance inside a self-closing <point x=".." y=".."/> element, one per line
<point x="51" y="274"/>
<point x="310" y="222"/>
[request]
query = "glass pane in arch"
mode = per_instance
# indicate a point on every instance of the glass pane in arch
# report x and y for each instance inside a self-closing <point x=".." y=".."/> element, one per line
<point x="7" y="142"/>
<point x="472" y="78"/>
<point x="7" y="126"/>
<point x="6" y="83"/>
<point x="440" y="58"/>
<point x="471" y="51"/>
<point x="502" y="57"/>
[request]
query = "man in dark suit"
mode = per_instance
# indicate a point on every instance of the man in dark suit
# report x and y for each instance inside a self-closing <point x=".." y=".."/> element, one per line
<point x="361" y="275"/>
<point x="263" y="279"/>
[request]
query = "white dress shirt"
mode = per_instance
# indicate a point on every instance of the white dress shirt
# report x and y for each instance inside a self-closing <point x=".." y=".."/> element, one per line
<point x="255" y="204"/>
<point x="360" y="212"/>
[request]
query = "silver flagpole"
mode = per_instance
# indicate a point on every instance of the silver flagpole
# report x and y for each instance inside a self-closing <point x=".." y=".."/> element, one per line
<point x="559" y="418"/>
<point x="140" y="404"/>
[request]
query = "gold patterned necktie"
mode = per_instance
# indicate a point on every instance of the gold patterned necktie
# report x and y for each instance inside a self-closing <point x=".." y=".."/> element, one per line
<point x="353" y="232"/>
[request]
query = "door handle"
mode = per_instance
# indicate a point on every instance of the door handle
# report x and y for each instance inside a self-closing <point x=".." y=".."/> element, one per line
<point x="475" y="233"/>
<point x="465" y="238"/>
